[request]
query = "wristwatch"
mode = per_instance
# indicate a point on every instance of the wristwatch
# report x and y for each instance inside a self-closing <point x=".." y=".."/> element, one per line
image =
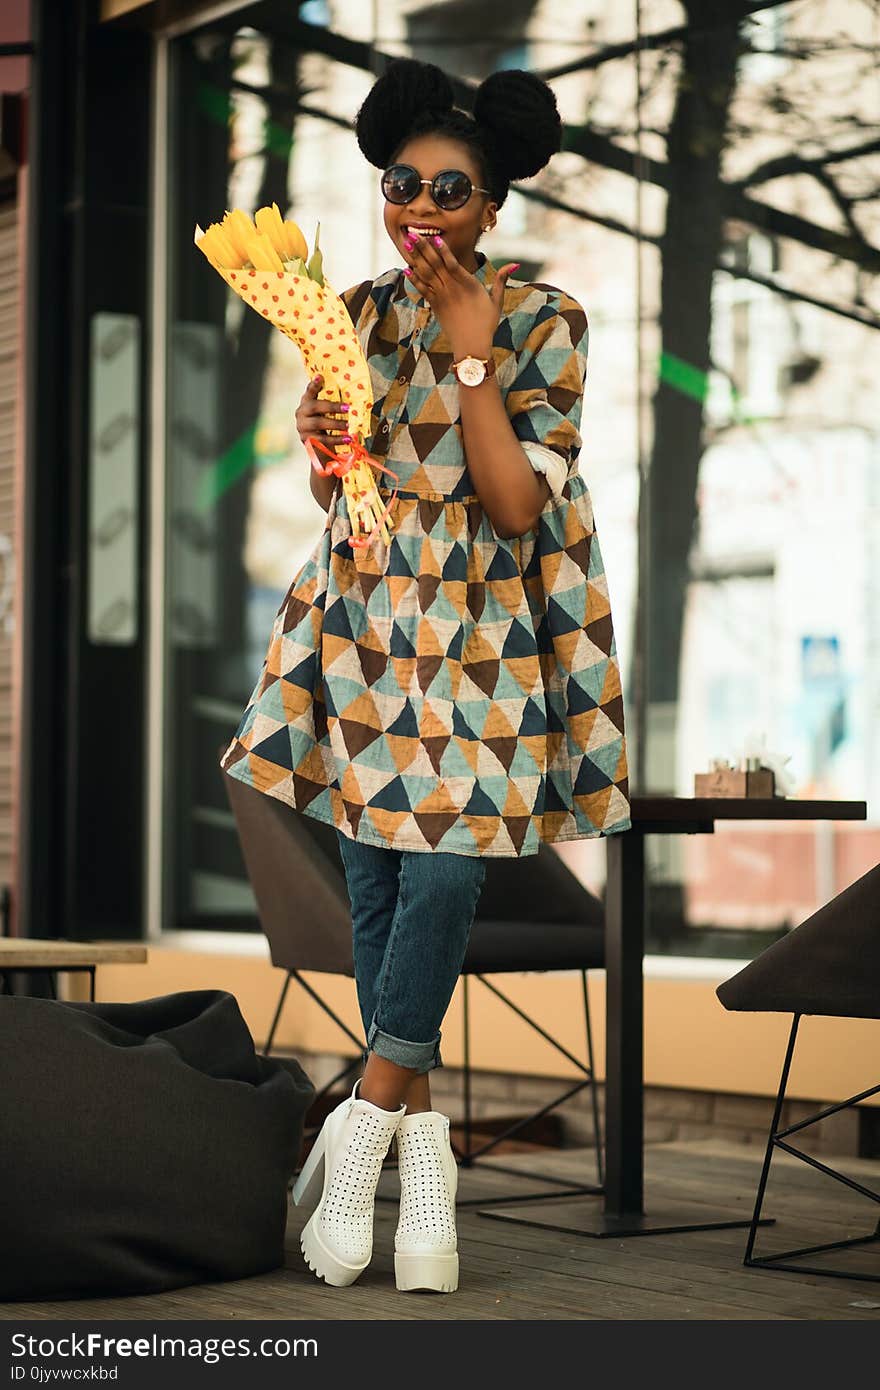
<point x="471" y="371"/>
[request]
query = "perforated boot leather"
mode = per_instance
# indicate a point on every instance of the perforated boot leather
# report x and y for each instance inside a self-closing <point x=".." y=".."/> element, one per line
<point x="426" y="1243"/>
<point x="337" y="1239"/>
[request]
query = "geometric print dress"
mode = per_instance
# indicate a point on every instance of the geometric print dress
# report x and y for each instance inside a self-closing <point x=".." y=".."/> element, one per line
<point x="451" y="690"/>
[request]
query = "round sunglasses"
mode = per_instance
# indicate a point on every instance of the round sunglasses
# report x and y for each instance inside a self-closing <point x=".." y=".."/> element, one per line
<point x="450" y="189"/>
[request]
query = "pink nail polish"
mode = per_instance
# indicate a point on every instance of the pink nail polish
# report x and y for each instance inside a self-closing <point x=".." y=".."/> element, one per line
<point x="343" y="406"/>
<point x="515" y="267"/>
<point x="409" y="244"/>
<point x="346" y="439"/>
<point x="408" y="272"/>
<point x="438" y="241"/>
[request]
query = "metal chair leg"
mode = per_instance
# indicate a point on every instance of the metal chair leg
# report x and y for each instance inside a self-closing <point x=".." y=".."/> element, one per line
<point x="313" y="994"/>
<point x="466" y="1155"/>
<point x="271" y="1038"/>
<point x="777" y="1139"/>
<point x="470" y="1155"/>
<point x="774" y="1126"/>
<point x="594" y="1094"/>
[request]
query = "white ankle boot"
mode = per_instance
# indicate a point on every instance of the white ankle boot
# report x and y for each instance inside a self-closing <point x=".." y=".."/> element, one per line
<point x="337" y="1239"/>
<point x="425" y="1246"/>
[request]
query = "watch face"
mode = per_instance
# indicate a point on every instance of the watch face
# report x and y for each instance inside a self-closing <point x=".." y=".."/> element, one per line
<point x="471" y="371"/>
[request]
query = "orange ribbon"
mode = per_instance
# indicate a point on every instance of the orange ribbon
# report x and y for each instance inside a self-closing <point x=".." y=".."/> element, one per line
<point x="340" y="464"/>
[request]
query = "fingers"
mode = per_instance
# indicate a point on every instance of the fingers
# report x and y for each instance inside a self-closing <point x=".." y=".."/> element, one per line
<point x="500" y="285"/>
<point x="326" y="421"/>
<point x="330" y="441"/>
<point x="312" y="405"/>
<point x="429" y="269"/>
<point x="445" y="257"/>
<point x="433" y="265"/>
<point x="311" y="397"/>
<point x="321" y="424"/>
<point x="316" y="424"/>
<point x="425" y="257"/>
<point x="424" y="286"/>
<point x="338" y="409"/>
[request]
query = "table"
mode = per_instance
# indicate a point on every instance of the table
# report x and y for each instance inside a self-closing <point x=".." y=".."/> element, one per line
<point x="52" y="957"/>
<point x="623" y="1210"/>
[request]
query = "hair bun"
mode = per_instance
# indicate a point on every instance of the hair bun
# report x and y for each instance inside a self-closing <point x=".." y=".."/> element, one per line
<point x="406" y="90"/>
<point x="518" y="112"/>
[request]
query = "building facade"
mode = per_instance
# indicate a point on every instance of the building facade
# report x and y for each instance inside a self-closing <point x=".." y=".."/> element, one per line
<point x="715" y="210"/>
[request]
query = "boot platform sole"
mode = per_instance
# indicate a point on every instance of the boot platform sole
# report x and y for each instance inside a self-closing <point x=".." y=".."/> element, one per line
<point x="324" y="1264"/>
<point x="426" y="1273"/>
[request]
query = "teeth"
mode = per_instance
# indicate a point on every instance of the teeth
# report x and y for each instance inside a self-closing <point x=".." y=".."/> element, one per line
<point x="425" y="231"/>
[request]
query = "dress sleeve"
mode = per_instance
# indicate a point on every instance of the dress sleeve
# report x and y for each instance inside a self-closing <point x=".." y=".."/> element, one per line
<point x="355" y="298"/>
<point x="545" y="399"/>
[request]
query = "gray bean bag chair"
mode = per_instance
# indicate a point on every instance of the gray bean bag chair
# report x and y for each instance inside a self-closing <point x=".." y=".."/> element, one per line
<point x="142" y="1146"/>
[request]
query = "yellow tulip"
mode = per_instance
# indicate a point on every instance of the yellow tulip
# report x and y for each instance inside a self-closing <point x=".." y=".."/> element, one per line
<point x="311" y="314"/>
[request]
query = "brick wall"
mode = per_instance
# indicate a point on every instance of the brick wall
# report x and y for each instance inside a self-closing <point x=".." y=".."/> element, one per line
<point x="669" y="1114"/>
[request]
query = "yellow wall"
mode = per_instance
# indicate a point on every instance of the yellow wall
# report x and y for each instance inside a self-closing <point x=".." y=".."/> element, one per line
<point x="691" y="1042"/>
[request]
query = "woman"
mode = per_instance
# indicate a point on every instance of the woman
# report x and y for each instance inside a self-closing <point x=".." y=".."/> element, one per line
<point x="462" y="692"/>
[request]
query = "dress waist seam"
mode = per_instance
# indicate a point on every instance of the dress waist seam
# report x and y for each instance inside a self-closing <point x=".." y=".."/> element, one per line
<point x="386" y="491"/>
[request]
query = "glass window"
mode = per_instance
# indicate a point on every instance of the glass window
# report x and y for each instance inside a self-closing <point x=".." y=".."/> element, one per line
<point x="714" y="208"/>
<point x="760" y="560"/>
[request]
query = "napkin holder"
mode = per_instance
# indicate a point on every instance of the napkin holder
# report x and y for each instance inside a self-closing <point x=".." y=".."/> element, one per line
<point x="731" y="781"/>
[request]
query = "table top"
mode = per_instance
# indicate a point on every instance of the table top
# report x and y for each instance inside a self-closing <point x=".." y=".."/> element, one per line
<point x="29" y="953"/>
<point x="669" y="811"/>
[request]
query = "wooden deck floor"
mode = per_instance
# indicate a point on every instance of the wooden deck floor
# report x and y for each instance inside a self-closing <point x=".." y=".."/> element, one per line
<point x="520" y="1272"/>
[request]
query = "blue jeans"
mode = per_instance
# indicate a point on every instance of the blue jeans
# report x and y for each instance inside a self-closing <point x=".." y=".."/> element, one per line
<point x="411" y="919"/>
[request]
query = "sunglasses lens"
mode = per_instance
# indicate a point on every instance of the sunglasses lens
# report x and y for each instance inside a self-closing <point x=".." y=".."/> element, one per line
<point x="452" y="189"/>
<point x="400" y="183"/>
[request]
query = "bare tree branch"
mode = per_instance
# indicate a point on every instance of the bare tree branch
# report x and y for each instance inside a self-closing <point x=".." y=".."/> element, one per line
<point x="800" y="164"/>
<point x="732" y="10"/>
<point x="600" y="150"/>
<point x="850" y="311"/>
<point x="845" y="204"/>
<point x="805" y="49"/>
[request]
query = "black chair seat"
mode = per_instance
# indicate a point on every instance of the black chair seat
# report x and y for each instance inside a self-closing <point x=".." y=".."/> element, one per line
<point x="829" y="965"/>
<point x="508" y="946"/>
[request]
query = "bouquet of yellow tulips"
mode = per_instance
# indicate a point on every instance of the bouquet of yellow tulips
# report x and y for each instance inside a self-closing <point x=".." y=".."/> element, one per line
<point x="265" y="262"/>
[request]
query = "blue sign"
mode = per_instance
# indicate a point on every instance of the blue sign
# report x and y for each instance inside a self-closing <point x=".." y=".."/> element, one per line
<point x="820" y="660"/>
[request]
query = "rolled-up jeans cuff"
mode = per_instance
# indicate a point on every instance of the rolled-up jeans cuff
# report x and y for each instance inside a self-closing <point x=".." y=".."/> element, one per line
<point x="415" y="1056"/>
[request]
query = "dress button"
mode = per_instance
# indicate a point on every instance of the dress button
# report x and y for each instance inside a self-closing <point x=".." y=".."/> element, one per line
<point x="401" y="379"/>
<point x="385" y="428"/>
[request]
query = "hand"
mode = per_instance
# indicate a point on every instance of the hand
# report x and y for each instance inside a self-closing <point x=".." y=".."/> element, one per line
<point x="314" y="417"/>
<point x="468" y="314"/>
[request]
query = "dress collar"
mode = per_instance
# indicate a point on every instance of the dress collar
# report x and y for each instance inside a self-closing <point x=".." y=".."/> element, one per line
<point x="485" y="273"/>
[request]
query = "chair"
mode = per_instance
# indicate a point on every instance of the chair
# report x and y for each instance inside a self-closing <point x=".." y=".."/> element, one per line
<point x="830" y="966"/>
<point x="533" y="914"/>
